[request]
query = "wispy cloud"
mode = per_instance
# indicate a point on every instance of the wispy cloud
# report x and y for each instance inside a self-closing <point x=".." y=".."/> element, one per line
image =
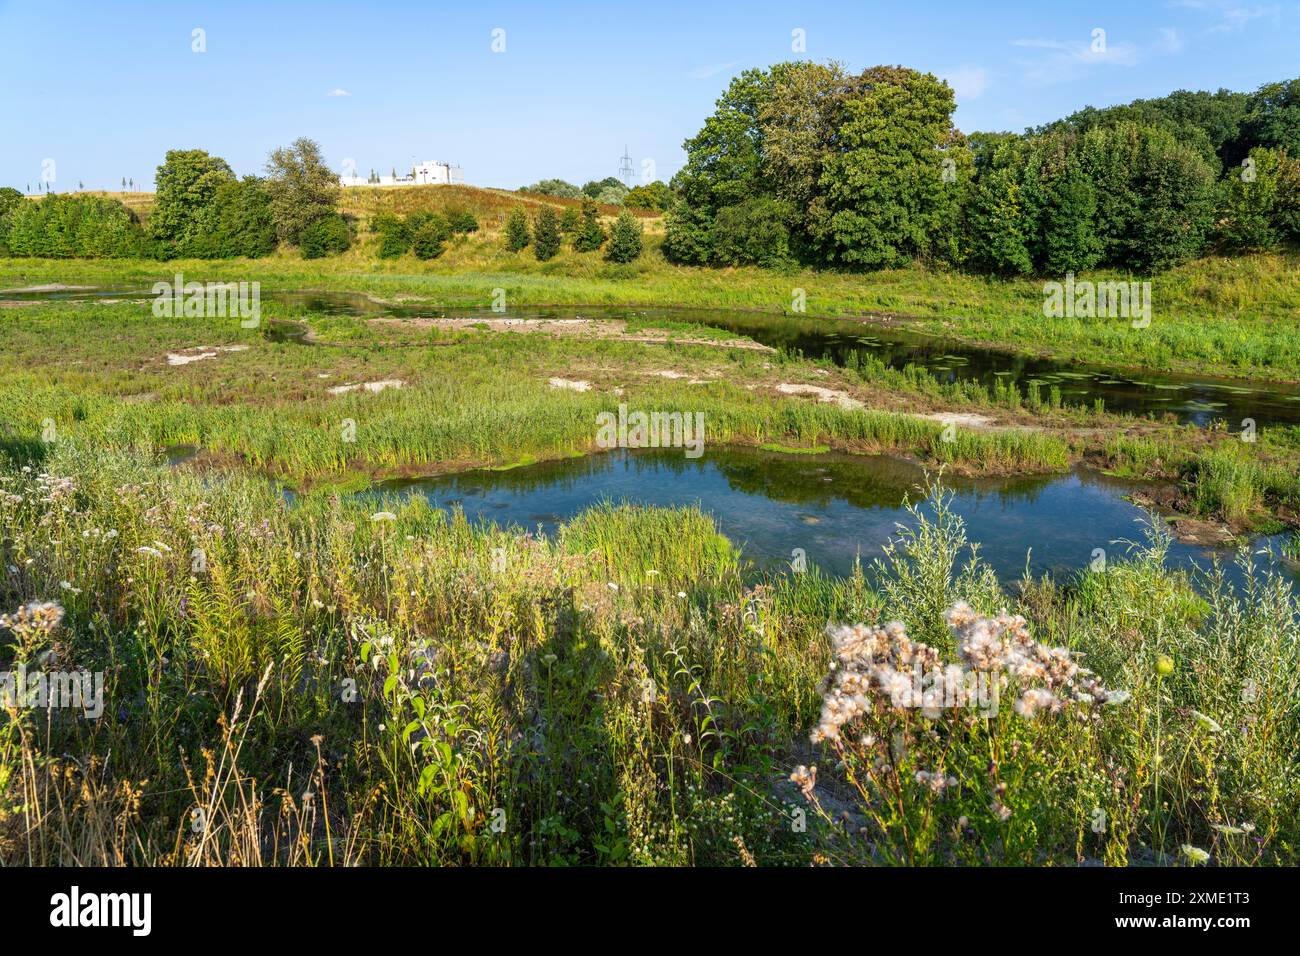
<point x="1236" y="18"/>
<point x="705" y="72"/>
<point x="338" y="92"/>
<point x="1171" y="40"/>
<point x="1066" y="60"/>
<point x="968" y="82"/>
<point x="1229" y="15"/>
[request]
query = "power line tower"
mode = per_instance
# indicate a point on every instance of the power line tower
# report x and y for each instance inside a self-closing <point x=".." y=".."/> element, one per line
<point x="625" y="170"/>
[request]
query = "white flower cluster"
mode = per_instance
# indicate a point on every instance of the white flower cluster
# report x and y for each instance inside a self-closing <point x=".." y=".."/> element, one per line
<point x="880" y="665"/>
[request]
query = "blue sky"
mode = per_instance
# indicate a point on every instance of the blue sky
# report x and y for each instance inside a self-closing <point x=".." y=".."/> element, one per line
<point x="104" y="89"/>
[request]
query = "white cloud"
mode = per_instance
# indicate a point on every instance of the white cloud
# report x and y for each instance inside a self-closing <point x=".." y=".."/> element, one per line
<point x="338" y="92"/>
<point x="968" y="82"/>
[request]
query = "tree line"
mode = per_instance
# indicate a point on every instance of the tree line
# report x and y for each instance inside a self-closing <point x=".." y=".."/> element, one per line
<point x="608" y="191"/>
<point x="622" y="244"/>
<point x="201" y="210"/>
<point x="807" y="163"/>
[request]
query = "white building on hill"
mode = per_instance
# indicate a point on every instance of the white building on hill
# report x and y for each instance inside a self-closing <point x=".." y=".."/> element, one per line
<point x="427" y="173"/>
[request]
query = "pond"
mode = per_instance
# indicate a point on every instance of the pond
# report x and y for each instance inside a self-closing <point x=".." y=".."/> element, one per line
<point x="834" y="508"/>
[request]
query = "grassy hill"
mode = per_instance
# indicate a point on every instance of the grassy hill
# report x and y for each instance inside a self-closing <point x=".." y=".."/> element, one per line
<point x="489" y="206"/>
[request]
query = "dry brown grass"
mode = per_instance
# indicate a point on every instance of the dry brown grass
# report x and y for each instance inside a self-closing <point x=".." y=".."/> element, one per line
<point x="489" y="206"/>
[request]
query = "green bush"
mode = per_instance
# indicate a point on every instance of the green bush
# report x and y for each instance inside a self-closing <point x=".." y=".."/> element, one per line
<point x="63" y="227"/>
<point x="625" y="239"/>
<point x="429" y="239"/>
<point x="546" y="234"/>
<point x="655" y="195"/>
<point x="236" y="223"/>
<point x="589" y="236"/>
<point x="461" y="221"/>
<point x="755" y="232"/>
<point x="517" y="236"/>
<point x="329" y="235"/>
<point x="9" y="200"/>
<point x="394" y="238"/>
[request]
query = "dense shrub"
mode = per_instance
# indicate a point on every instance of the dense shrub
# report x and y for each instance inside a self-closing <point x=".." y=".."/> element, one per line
<point x="688" y="235"/>
<point x="10" y="198"/>
<point x="327" y="236"/>
<point x="63" y="226"/>
<point x="236" y="223"/>
<point x="394" y="239"/>
<point x="655" y="195"/>
<point x="612" y="195"/>
<point x="590" y="235"/>
<point x="1259" y="202"/>
<point x="996" y="228"/>
<point x="624" y="239"/>
<point x="593" y="189"/>
<point x="755" y="232"/>
<point x="546" y="234"/>
<point x="429" y="237"/>
<point x="517" y="235"/>
<point x="461" y="221"/>
<point x="553" y="187"/>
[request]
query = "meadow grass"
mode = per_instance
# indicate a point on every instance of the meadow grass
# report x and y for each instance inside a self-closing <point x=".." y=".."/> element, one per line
<point x="101" y="373"/>
<point x="1214" y="315"/>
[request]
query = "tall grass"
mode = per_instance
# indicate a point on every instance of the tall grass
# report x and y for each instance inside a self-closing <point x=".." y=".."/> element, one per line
<point x="324" y="683"/>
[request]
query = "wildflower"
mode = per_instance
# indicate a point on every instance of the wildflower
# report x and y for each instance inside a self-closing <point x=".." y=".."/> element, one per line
<point x="383" y="516"/>
<point x="1034" y="700"/>
<point x="37" y="619"/>
<point x="1194" y="854"/>
<point x="651" y="571"/>
<point x="681" y="594"/>
<point x="67" y="586"/>
<point x="1164" y="665"/>
<point x="805" y="778"/>
<point x="686" y="739"/>
<point x="151" y="552"/>
<point x="1001" y="810"/>
<point x="1206" y="721"/>
<point x="936" y="781"/>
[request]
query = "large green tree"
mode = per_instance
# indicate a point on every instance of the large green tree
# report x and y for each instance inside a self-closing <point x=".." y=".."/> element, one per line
<point x="187" y="184"/>
<point x="884" y="187"/>
<point x="301" y="186"/>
